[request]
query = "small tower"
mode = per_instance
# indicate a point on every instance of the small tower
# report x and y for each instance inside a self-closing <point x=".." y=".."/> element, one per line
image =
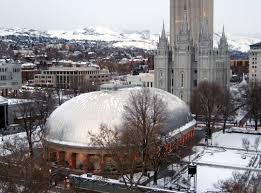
<point x="162" y="60"/>
<point x="205" y="57"/>
<point x="223" y="71"/>
<point x="184" y="57"/>
<point x="223" y="45"/>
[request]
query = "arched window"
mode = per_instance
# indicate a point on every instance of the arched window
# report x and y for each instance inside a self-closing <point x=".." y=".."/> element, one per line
<point x="182" y="80"/>
<point x="181" y="95"/>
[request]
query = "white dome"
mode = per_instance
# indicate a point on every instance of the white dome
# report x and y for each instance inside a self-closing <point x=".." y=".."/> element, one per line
<point x="71" y="123"/>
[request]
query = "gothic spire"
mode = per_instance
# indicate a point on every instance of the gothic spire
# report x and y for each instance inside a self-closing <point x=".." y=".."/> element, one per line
<point x="223" y="32"/>
<point x="223" y="40"/>
<point x="163" y="40"/>
<point x="204" y="31"/>
<point x="184" y="26"/>
<point x="163" y="33"/>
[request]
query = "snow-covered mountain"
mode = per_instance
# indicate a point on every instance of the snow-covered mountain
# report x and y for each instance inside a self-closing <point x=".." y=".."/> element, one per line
<point x="238" y="42"/>
<point x="124" y="39"/>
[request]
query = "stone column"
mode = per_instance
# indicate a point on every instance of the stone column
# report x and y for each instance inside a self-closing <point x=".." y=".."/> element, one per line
<point x="102" y="163"/>
<point x="86" y="162"/>
<point x="73" y="160"/>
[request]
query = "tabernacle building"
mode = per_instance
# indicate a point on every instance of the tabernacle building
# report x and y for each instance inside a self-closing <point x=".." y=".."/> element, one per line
<point x="68" y="140"/>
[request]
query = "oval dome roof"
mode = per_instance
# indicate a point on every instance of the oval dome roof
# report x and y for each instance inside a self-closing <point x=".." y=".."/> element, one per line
<point x="71" y="123"/>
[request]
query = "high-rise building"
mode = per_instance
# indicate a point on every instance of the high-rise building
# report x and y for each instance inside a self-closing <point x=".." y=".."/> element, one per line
<point x="190" y="58"/>
<point x="196" y="10"/>
<point x="255" y="63"/>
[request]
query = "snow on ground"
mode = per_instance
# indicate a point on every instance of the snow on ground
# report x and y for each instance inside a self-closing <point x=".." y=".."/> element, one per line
<point x="101" y="33"/>
<point x="225" y="157"/>
<point x="233" y="140"/>
<point x="208" y="176"/>
<point x="18" y="140"/>
<point x="240" y="115"/>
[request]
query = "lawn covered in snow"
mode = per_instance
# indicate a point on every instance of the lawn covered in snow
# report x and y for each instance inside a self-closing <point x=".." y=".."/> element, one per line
<point x="215" y="164"/>
<point x="233" y="140"/>
<point x="223" y="157"/>
<point x="208" y="177"/>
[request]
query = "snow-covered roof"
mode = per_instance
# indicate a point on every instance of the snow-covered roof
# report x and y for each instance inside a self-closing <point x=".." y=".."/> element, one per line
<point x="71" y="123"/>
<point x="28" y="65"/>
<point x="3" y="100"/>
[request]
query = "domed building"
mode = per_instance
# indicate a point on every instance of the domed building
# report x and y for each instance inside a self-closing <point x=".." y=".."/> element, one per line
<point x="68" y="139"/>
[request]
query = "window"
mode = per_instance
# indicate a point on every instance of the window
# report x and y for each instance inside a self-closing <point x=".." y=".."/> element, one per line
<point x="181" y="96"/>
<point x="182" y="80"/>
<point x="195" y="83"/>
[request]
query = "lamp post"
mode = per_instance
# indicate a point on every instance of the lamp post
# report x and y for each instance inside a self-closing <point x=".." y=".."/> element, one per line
<point x="192" y="172"/>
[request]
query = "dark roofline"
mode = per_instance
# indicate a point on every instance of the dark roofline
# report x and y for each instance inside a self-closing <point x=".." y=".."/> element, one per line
<point x="257" y="45"/>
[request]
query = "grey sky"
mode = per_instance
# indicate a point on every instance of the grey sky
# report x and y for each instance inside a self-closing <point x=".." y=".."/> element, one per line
<point x="238" y="16"/>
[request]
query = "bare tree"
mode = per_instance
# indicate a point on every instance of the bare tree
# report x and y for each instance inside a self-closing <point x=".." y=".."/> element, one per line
<point x="253" y="102"/>
<point x="241" y="183"/>
<point x="194" y="103"/>
<point x="125" y="155"/>
<point x="228" y="108"/>
<point x="20" y="172"/>
<point x="207" y="99"/>
<point x="236" y="184"/>
<point x="32" y="113"/>
<point x="146" y="115"/>
<point x="140" y="142"/>
<point x="162" y="153"/>
<point x="245" y="144"/>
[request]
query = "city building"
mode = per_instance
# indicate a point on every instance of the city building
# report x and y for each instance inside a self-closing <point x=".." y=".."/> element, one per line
<point x="182" y="64"/>
<point x="3" y="113"/>
<point x="255" y="63"/>
<point x="68" y="141"/>
<point x="10" y="115"/>
<point x="143" y="79"/>
<point x="239" y="67"/>
<point x="28" y="72"/>
<point x="70" y="77"/>
<point x="10" y="78"/>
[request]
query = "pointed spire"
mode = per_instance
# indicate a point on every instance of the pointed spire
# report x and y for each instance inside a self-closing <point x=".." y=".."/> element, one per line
<point x="204" y="31"/>
<point x="223" y="44"/>
<point x="223" y="39"/>
<point x="184" y="26"/>
<point x="163" y="33"/>
<point x="223" y="32"/>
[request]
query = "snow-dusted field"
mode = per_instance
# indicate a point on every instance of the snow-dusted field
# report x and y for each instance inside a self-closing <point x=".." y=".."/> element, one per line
<point x="224" y="157"/>
<point x="208" y="177"/>
<point x="234" y="140"/>
<point x="16" y="140"/>
<point x="220" y="165"/>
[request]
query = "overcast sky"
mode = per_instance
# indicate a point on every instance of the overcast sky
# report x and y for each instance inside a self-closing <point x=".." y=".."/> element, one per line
<point x="238" y="16"/>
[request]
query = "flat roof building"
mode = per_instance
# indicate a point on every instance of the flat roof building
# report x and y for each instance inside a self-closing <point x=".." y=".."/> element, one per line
<point x="10" y="78"/>
<point x="255" y="63"/>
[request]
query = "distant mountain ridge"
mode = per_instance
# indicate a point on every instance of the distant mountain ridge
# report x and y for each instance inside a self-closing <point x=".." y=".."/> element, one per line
<point x="124" y="39"/>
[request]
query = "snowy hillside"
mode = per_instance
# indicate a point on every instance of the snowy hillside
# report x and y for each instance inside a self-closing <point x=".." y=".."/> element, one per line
<point x="238" y="42"/>
<point x="124" y="39"/>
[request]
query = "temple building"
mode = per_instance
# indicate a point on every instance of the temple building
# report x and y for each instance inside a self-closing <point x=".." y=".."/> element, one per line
<point x="189" y="58"/>
<point x="68" y="140"/>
